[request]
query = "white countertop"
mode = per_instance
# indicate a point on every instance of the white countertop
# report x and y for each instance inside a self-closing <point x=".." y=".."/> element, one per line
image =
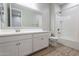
<point x="19" y="33"/>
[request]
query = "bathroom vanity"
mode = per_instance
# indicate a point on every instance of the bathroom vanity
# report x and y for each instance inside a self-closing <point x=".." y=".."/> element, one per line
<point x="20" y="44"/>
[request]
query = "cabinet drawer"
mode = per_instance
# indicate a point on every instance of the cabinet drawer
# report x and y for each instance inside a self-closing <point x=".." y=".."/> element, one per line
<point x="12" y="38"/>
<point x="41" y="34"/>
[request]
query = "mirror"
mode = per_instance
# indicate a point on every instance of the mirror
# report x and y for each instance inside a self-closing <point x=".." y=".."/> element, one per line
<point x="19" y="16"/>
<point x="15" y="17"/>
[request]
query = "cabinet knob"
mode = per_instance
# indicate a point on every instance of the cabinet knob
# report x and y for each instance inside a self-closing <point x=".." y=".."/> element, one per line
<point x="18" y="44"/>
<point x="42" y="38"/>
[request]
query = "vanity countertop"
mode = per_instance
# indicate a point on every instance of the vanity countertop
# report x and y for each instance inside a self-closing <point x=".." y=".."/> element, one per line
<point x="20" y="33"/>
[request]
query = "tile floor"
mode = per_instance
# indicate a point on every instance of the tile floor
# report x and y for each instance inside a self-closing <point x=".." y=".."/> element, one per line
<point x="59" y="50"/>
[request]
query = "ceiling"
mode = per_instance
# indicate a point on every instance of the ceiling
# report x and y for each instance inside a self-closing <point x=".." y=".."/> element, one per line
<point x="61" y="4"/>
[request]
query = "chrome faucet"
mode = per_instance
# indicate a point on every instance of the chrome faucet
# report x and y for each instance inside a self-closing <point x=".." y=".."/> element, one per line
<point x="17" y="30"/>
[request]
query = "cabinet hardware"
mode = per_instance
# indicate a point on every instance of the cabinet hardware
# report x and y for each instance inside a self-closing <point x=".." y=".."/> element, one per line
<point x="18" y="44"/>
<point x="42" y="38"/>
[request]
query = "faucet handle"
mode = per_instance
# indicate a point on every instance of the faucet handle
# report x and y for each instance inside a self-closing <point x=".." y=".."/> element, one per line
<point x="17" y="30"/>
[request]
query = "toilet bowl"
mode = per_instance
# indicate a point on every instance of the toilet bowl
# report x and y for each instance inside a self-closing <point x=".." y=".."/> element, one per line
<point x="53" y="41"/>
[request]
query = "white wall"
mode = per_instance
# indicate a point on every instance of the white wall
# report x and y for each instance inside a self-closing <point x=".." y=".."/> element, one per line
<point x="55" y="18"/>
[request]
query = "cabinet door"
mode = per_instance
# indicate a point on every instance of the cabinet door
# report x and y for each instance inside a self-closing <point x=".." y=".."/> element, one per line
<point x="44" y="41"/>
<point x="9" y="49"/>
<point x="40" y="43"/>
<point x="25" y="47"/>
<point x="36" y="44"/>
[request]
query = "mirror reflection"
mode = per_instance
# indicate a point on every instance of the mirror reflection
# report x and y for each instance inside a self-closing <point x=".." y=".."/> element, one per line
<point x="16" y="15"/>
<point x="1" y="15"/>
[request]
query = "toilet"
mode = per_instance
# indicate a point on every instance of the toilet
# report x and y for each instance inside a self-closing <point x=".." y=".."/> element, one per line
<point x="53" y="41"/>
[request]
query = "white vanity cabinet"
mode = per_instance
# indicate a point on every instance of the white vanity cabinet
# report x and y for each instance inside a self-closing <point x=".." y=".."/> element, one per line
<point x="16" y="45"/>
<point x="9" y="49"/>
<point x="40" y="41"/>
<point x="25" y="47"/>
<point x="20" y="48"/>
<point x="23" y="44"/>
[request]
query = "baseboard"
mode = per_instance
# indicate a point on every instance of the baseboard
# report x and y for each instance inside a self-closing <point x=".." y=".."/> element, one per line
<point x="69" y="43"/>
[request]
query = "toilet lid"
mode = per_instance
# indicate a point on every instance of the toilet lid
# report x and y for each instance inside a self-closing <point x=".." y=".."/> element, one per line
<point x="53" y="37"/>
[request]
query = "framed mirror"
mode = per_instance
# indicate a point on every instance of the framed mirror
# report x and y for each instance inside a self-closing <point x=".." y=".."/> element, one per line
<point x="19" y="16"/>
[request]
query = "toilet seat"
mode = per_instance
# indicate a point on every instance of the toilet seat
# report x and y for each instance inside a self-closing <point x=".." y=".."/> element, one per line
<point x="53" y="38"/>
